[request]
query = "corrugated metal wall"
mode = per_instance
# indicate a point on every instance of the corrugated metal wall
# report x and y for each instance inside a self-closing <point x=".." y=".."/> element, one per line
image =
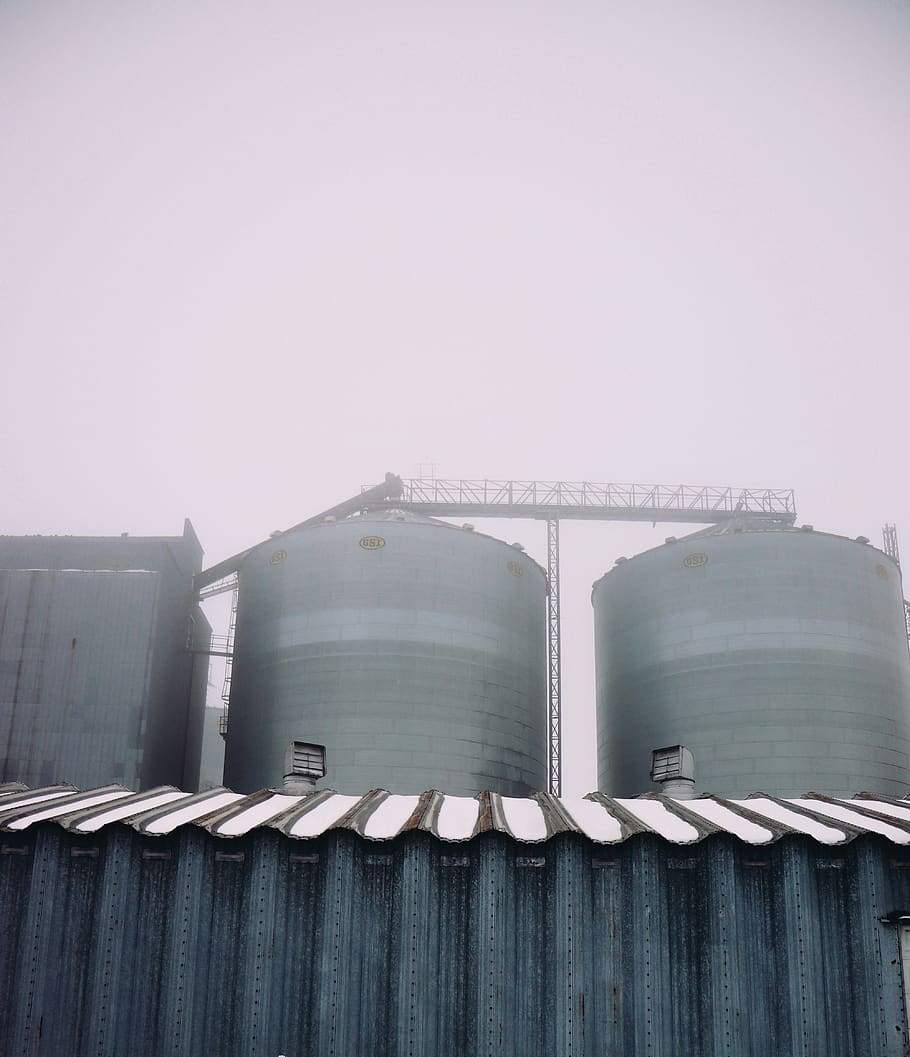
<point x="96" y="685"/>
<point x="76" y="651"/>
<point x="188" y="945"/>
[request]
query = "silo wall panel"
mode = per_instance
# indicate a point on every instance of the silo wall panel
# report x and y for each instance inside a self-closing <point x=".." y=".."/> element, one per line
<point x="781" y="661"/>
<point x="419" y="664"/>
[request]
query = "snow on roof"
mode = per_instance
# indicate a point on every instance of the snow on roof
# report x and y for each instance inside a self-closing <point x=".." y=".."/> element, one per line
<point x="256" y="814"/>
<point x="389" y="818"/>
<point x="524" y="819"/>
<point x="64" y="807"/>
<point x="457" y="818"/>
<point x="729" y="820"/>
<point x="323" y="815"/>
<point x="800" y="821"/>
<point x="121" y="811"/>
<point x="659" y="818"/>
<point x="594" y="820"/>
<point x="379" y="815"/>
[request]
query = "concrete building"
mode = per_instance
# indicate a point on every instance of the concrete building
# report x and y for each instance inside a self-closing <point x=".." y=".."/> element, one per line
<point x="96" y="684"/>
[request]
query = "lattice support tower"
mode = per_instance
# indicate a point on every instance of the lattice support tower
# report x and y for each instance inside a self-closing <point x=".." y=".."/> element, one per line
<point x="229" y="660"/>
<point x="889" y="543"/>
<point x="890" y="547"/>
<point x="555" y="667"/>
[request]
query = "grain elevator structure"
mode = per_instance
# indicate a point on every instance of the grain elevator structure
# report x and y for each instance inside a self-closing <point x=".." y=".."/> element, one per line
<point x="426" y="896"/>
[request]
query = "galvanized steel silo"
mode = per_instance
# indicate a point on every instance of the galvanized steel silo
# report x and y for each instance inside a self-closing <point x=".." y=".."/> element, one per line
<point x="414" y="650"/>
<point x="778" y="657"/>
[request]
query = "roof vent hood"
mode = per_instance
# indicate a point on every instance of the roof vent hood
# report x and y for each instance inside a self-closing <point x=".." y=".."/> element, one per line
<point x="304" y="765"/>
<point x="674" y="768"/>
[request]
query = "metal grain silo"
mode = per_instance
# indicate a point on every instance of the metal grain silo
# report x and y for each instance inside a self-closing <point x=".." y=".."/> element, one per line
<point x="414" y="650"/>
<point x="779" y="658"/>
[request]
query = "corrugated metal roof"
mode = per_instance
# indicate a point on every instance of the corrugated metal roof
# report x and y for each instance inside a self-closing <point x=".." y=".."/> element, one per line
<point x="379" y="815"/>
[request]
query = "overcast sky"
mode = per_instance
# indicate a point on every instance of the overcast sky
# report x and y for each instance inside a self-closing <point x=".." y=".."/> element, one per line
<point x="254" y="255"/>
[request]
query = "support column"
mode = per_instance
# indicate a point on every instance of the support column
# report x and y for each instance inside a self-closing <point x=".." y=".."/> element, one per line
<point x="555" y="677"/>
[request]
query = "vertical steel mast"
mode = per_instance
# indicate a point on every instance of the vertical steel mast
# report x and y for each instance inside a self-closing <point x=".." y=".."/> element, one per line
<point x="889" y="541"/>
<point x="555" y="677"/>
<point x="890" y="547"/>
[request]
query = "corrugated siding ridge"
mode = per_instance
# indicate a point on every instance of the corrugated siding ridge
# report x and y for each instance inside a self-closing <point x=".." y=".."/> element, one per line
<point x="381" y="816"/>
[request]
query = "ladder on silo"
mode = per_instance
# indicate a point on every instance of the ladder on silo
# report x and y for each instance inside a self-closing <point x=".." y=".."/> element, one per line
<point x="890" y="547"/>
<point x="229" y="661"/>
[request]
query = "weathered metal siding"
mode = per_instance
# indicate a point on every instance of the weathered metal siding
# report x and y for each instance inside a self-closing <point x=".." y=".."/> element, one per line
<point x="75" y="665"/>
<point x="413" y="650"/>
<point x="778" y="657"/>
<point x="96" y="685"/>
<point x="262" y="945"/>
<point x="211" y="763"/>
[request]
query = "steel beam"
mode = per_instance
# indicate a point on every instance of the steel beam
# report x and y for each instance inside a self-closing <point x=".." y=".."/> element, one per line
<point x="588" y="501"/>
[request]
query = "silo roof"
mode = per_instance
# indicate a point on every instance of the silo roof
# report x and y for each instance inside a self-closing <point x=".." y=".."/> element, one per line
<point x="385" y="515"/>
<point x="379" y="815"/>
<point x="412" y="517"/>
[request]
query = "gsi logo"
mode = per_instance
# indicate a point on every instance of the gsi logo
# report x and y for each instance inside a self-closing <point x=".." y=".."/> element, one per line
<point x="372" y="543"/>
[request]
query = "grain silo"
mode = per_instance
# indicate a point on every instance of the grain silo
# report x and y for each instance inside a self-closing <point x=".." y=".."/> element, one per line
<point x="778" y="657"/>
<point x="413" y="650"/>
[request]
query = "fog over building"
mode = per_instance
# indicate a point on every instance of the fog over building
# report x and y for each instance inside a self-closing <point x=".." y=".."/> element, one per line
<point x="253" y="255"/>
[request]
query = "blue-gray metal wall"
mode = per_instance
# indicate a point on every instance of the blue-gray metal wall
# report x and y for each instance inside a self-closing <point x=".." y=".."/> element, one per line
<point x="778" y="657"/>
<point x="96" y="685"/>
<point x="122" y="944"/>
<point x="211" y="764"/>
<point x="413" y="650"/>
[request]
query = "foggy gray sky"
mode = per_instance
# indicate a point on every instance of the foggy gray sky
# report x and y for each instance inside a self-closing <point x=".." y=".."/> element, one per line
<point x="254" y="255"/>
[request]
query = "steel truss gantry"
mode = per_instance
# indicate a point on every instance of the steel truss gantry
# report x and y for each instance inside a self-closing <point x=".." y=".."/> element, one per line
<point x="590" y="502"/>
<point x="584" y="500"/>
